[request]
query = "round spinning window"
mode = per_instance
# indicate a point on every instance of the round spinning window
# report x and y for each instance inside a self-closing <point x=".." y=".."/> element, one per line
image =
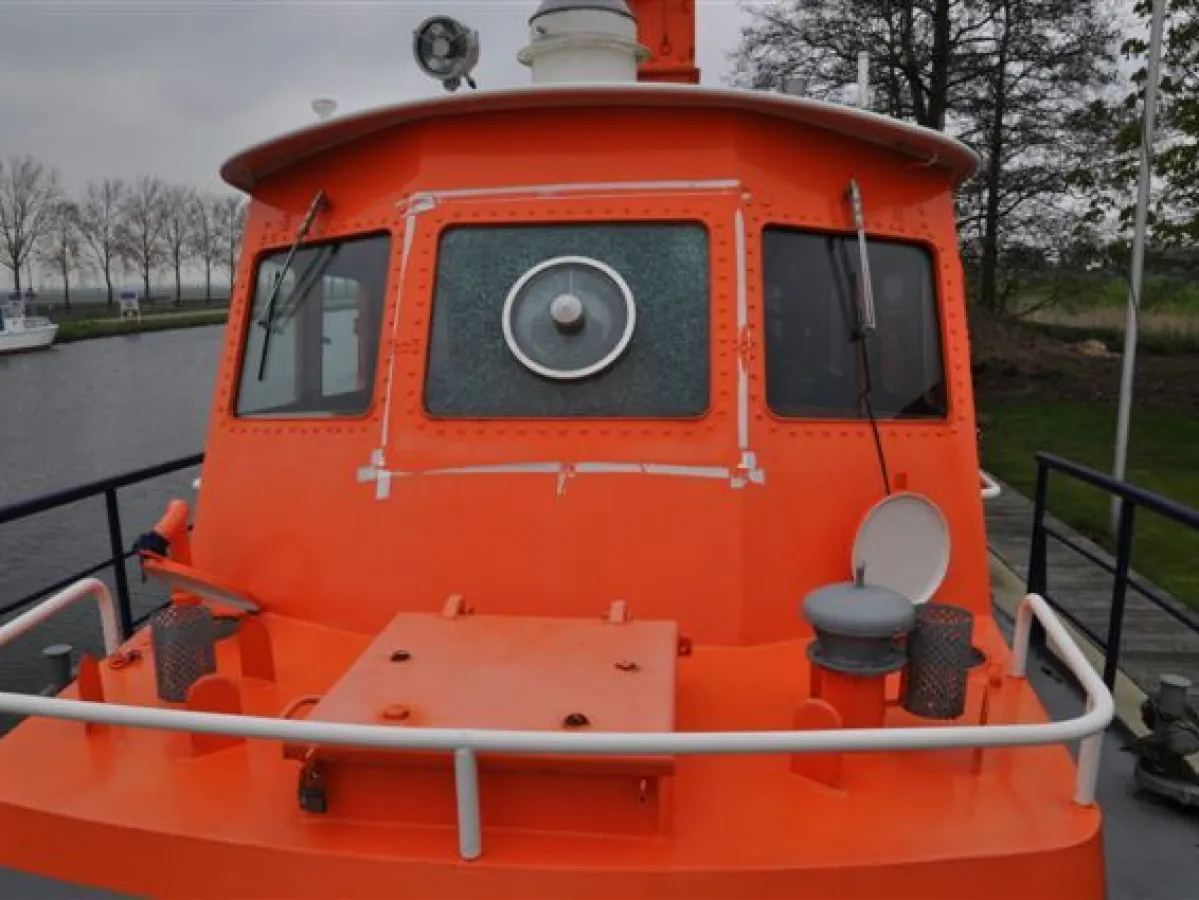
<point x="569" y="317"/>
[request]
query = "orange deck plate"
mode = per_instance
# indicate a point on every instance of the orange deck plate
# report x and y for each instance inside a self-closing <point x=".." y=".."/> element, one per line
<point x="510" y="672"/>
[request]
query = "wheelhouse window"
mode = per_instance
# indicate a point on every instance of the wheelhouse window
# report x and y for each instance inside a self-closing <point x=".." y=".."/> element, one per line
<point x="814" y="364"/>
<point x="311" y="351"/>
<point x="570" y="320"/>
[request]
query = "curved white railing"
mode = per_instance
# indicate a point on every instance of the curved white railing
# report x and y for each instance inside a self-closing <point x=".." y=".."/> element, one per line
<point x="69" y="596"/>
<point x="991" y="488"/>
<point x="465" y="743"/>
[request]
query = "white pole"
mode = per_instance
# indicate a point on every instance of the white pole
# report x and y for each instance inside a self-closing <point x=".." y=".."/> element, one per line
<point x="864" y="80"/>
<point x="1138" y="251"/>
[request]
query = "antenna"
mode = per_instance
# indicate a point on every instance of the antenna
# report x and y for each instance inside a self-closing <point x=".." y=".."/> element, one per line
<point x="864" y="80"/>
<point x="447" y="51"/>
<point x="324" y="107"/>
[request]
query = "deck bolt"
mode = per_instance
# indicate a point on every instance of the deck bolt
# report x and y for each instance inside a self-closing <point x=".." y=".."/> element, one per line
<point x="401" y="656"/>
<point x="627" y="665"/>
<point x="576" y="720"/>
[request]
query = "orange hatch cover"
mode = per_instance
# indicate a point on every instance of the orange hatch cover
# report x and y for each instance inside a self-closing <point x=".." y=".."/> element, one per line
<point x="500" y="672"/>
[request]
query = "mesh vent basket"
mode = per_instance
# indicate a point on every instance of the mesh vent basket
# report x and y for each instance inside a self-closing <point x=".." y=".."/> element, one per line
<point x="183" y="639"/>
<point x="939" y="659"/>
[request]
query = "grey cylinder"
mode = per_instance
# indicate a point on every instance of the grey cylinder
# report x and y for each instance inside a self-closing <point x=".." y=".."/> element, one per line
<point x="184" y="651"/>
<point x="58" y="666"/>
<point x="1172" y="695"/>
<point x="939" y="661"/>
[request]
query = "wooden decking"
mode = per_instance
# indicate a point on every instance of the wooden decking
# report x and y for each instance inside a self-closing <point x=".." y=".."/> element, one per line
<point x="1153" y="643"/>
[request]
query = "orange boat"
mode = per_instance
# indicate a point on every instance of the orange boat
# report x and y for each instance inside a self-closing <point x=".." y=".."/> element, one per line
<point x="591" y="508"/>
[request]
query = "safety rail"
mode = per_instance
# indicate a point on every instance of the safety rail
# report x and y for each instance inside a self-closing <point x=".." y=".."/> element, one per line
<point x="466" y="743"/>
<point x="990" y="487"/>
<point x="1130" y="498"/>
<point x="108" y="488"/>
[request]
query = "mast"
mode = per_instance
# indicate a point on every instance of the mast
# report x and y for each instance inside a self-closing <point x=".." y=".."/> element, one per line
<point x="1124" y="413"/>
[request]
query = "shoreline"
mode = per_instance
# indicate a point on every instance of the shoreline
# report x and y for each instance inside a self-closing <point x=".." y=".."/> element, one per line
<point x="71" y="331"/>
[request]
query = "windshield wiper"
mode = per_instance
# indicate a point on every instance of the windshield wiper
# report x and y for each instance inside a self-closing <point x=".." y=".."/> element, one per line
<point x="866" y="311"/>
<point x="268" y="315"/>
<point x="866" y="326"/>
<point x="307" y="280"/>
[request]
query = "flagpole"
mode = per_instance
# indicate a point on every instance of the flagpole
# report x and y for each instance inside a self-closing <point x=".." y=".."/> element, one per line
<point x="1138" y="252"/>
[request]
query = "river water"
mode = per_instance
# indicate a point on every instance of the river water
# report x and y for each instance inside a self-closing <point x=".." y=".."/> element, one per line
<point x="80" y="412"/>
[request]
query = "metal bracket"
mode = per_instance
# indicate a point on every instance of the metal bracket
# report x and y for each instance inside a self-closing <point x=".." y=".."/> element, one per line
<point x="312" y="795"/>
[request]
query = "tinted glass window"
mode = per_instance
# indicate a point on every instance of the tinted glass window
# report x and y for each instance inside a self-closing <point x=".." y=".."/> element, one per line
<point x="813" y="364"/>
<point x="324" y="330"/>
<point x="587" y="320"/>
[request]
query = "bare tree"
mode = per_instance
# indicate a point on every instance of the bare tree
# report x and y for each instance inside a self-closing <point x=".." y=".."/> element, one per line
<point x="1031" y="118"/>
<point x="178" y="229"/>
<point x="924" y="53"/>
<point x="231" y="222"/>
<point x="28" y="191"/>
<point x="61" y="245"/>
<point x="140" y="235"/>
<point x="206" y="238"/>
<point x="1014" y="78"/>
<point x="99" y="223"/>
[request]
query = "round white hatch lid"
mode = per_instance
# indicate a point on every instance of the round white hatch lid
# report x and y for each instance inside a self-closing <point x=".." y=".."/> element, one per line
<point x="903" y="542"/>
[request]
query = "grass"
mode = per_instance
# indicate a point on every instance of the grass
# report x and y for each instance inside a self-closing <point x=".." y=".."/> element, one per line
<point x="1162" y="458"/>
<point x="86" y="329"/>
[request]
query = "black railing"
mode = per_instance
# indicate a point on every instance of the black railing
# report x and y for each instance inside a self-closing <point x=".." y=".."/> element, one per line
<point x="1131" y="498"/>
<point x="108" y="487"/>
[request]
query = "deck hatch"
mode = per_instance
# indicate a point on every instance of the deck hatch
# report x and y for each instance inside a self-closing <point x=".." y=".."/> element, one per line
<point x="502" y="672"/>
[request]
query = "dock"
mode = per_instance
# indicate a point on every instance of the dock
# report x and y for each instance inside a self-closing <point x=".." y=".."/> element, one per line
<point x="1152" y="643"/>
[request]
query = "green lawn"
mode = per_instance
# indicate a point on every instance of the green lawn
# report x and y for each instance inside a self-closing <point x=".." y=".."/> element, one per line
<point x="1163" y="457"/>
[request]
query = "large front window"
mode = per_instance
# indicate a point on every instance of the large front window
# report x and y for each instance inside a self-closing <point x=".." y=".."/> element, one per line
<point x="570" y="320"/>
<point x="814" y="364"/>
<point x="312" y="347"/>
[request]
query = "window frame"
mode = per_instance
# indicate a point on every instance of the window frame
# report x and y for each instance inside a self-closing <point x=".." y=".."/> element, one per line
<point x="313" y="418"/>
<point x="567" y="215"/>
<point x="934" y="255"/>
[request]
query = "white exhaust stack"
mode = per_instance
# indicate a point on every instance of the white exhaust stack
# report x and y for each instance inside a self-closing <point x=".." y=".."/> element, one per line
<point x="581" y="41"/>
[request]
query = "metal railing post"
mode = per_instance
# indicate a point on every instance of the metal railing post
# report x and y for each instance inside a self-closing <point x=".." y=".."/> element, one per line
<point x="1115" y="624"/>
<point x="124" y="603"/>
<point x="1038" y="552"/>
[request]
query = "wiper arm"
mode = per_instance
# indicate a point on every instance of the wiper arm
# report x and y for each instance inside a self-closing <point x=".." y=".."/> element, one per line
<point x="866" y="311"/>
<point x="866" y="326"/>
<point x="306" y="281"/>
<point x="268" y="315"/>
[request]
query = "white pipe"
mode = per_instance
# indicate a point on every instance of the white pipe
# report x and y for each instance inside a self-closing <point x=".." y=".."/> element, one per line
<point x="990" y="488"/>
<point x="80" y="590"/>
<point x="466" y="787"/>
<point x="597" y="743"/>
<point x="864" y="80"/>
<point x="1124" y="412"/>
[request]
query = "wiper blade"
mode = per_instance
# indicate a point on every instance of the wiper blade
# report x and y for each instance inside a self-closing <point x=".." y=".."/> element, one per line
<point x="268" y="315"/>
<point x="866" y="310"/>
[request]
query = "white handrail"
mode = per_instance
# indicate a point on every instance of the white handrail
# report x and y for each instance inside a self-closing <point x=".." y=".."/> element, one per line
<point x="991" y="488"/>
<point x="88" y="587"/>
<point x="465" y="743"/>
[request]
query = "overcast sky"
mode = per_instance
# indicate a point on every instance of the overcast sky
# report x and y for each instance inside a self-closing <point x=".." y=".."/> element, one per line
<point x="174" y="87"/>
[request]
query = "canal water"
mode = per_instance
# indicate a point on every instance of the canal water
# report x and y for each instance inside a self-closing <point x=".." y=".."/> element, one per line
<point x="81" y="412"/>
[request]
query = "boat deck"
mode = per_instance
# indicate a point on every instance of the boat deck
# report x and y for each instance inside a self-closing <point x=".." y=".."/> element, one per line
<point x="1150" y="846"/>
<point x="123" y="787"/>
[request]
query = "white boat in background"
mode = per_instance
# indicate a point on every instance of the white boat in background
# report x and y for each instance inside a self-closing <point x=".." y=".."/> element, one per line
<point x="19" y="332"/>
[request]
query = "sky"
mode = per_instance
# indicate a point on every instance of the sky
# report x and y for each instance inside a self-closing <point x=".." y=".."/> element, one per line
<point x="174" y="87"/>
